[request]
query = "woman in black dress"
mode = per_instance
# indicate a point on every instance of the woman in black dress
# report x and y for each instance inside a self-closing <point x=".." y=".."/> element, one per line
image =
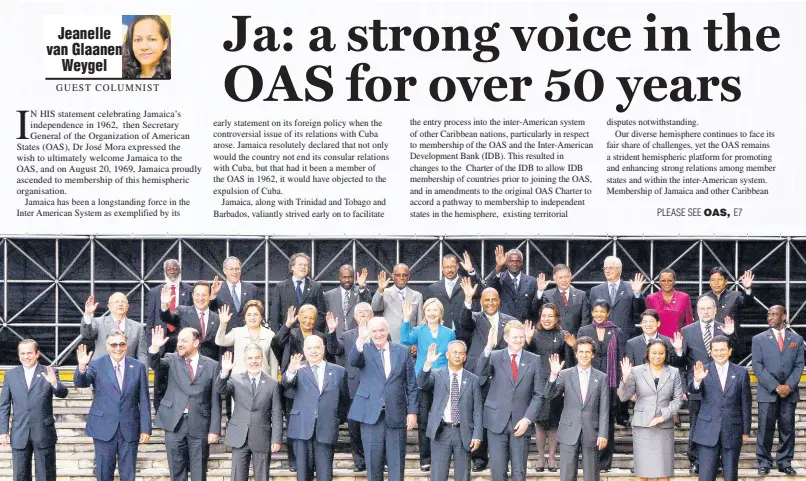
<point x="545" y="339"/>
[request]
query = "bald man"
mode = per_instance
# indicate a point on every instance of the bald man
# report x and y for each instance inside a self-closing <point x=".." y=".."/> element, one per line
<point x="388" y="300"/>
<point x="320" y="405"/>
<point x="476" y="326"/>
<point x="96" y="329"/>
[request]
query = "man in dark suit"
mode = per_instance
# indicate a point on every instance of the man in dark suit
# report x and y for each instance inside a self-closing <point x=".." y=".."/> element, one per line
<point x="120" y="415"/>
<point x="199" y="316"/>
<point x="234" y="293"/>
<point x="586" y="411"/>
<point x="320" y="404"/>
<point x="339" y="345"/>
<point x="723" y="423"/>
<point x="636" y="347"/>
<point x="181" y="295"/>
<point x="454" y="422"/>
<point x="575" y="309"/>
<point x="342" y="300"/>
<point x="256" y="426"/>
<point x="30" y="389"/>
<point x="477" y="327"/>
<point x="513" y="401"/>
<point x="695" y="346"/>
<point x="96" y="329"/>
<point x="296" y="291"/>
<point x="190" y="412"/>
<point x="448" y="290"/>
<point x="517" y="290"/>
<point x="778" y="364"/>
<point x="625" y="298"/>
<point x="729" y="302"/>
<point x="386" y="401"/>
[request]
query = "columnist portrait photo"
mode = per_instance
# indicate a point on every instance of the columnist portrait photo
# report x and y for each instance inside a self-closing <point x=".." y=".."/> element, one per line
<point x="147" y="47"/>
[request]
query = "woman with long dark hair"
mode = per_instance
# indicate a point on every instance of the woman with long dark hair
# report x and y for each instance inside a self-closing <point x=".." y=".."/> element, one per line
<point x="147" y="50"/>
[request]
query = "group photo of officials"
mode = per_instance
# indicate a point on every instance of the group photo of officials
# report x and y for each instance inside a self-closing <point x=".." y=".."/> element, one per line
<point x="480" y="366"/>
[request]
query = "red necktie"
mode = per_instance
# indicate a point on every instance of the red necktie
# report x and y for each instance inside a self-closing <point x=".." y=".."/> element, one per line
<point x="780" y="341"/>
<point x="514" y="365"/>
<point x="565" y="299"/>
<point x="172" y="305"/>
<point x="190" y="368"/>
<point x="201" y="322"/>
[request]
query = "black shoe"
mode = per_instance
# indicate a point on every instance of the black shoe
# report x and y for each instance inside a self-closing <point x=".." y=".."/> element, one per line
<point x="539" y="469"/>
<point x="360" y="468"/>
<point x="694" y="469"/>
<point x="292" y="468"/>
<point x="479" y="466"/>
<point x="789" y="470"/>
<point x="625" y="422"/>
<point x="425" y="468"/>
<point x="719" y="471"/>
<point x="763" y="471"/>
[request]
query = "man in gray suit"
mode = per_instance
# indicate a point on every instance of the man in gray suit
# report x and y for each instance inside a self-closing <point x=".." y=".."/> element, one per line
<point x="320" y="403"/>
<point x="342" y="300"/>
<point x="190" y="412"/>
<point x="256" y="425"/>
<point x="516" y="392"/>
<point x="96" y="329"/>
<point x="30" y="389"/>
<point x="454" y="423"/>
<point x="388" y="301"/>
<point x="586" y="411"/>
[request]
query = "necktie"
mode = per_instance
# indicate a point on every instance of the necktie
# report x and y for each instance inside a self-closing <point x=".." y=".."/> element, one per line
<point x="493" y="326"/>
<point x="383" y="363"/>
<point x="455" y="398"/>
<point x="706" y="338"/>
<point x="190" y="369"/>
<point x="515" y="283"/>
<point x="254" y="387"/>
<point x="583" y="384"/>
<point x="344" y="303"/>
<point x="119" y="374"/>
<point x="612" y="293"/>
<point x="299" y="292"/>
<point x="201" y="324"/>
<point x="117" y="324"/>
<point x="402" y="295"/>
<point x="449" y="287"/>
<point x="235" y="299"/>
<point x="565" y="298"/>
<point x="514" y="365"/>
<point x="315" y="370"/>
<point x="172" y="305"/>
<point x="781" y="341"/>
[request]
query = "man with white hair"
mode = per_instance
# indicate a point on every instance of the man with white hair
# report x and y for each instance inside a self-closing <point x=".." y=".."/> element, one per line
<point x="386" y="402"/>
<point x="625" y="298"/>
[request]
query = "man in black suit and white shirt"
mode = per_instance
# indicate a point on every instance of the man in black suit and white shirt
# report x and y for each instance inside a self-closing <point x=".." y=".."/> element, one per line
<point x="342" y="300"/>
<point x="29" y="389"/>
<point x="199" y="316"/>
<point x="517" y="290"/>
<point x="448" y="290"/>
<point x="234" y="293"/>
<point x="296" y="291"/>
<point x="575" y="308"/>
<point x="190" y="412"/>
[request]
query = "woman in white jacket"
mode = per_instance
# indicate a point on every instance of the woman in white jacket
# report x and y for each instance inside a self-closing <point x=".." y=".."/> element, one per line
<point x="252" y="332"/>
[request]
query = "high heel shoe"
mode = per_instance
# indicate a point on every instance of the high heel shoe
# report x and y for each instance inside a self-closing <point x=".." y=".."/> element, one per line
<point x="552" y="467"/>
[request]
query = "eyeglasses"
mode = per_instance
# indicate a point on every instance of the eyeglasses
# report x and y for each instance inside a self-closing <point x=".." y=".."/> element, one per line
<point x="233" y="269"/>
<point x="609" y="268"/>
<point x="116" y="345"/>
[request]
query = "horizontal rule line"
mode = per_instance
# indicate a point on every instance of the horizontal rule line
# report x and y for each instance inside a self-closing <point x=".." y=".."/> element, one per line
<point x="102" y="78"/>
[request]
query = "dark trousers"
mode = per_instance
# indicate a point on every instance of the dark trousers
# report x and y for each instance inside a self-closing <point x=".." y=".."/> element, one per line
<point x="312" y="454"/>
<point x="44" y="458"/>
<point x="482" y="454"/>
<point x="426" y="398"/>
<point x="186" y="453"/>
<point x="447" y="443"/>
<point x="606" y="454"/>
<point x="783" y="412"/>
<point x="288" y="403"/>
<point x="709" y="460"/>
<point x="506" y="446"/>
<point x="356" y="446"/>
<point x="693" y="413"/>
<point x="382" y="443"/>
<point x="116" y="449"/>
<point x="240" y="463"/>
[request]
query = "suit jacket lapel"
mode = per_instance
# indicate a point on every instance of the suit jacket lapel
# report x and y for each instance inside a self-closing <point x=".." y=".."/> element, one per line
<point x="577" y="386"/>
<point x="731" y="376"/>
<point x="647" y="375"/>
<point x="306" y="291"/>
<point x="38" y="370"/>
<point x="506" y="360"/>
<point x="109" y="371"/>
<point x="328" y="377"/>
<point x="665" y="375"/>
<point x="199" y="369"/>
<point x="523" y="368"/>
<point x="128" y="376"/>
<point x="456" y="287"/>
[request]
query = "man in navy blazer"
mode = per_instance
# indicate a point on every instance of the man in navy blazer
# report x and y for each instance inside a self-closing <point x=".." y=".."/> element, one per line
<point x="449" y="292"/>
<point x="517" y="290"/>
<point x="454" y="422"/>
<point x="232" y="292"/>
<point x="200" y="316"/>
<point x="725" y="413"/>
<point x="575" y="308"/>
<point x="120" y="415"/>
<point x="320" y="405"/>
<point x="386" y="401"/>
<point x="778" y="364"/>
<point x="297" y="291"/>
<point x="625" y="298"/>
<point x="516" y="384"/>
<point x="30" y="389"/>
